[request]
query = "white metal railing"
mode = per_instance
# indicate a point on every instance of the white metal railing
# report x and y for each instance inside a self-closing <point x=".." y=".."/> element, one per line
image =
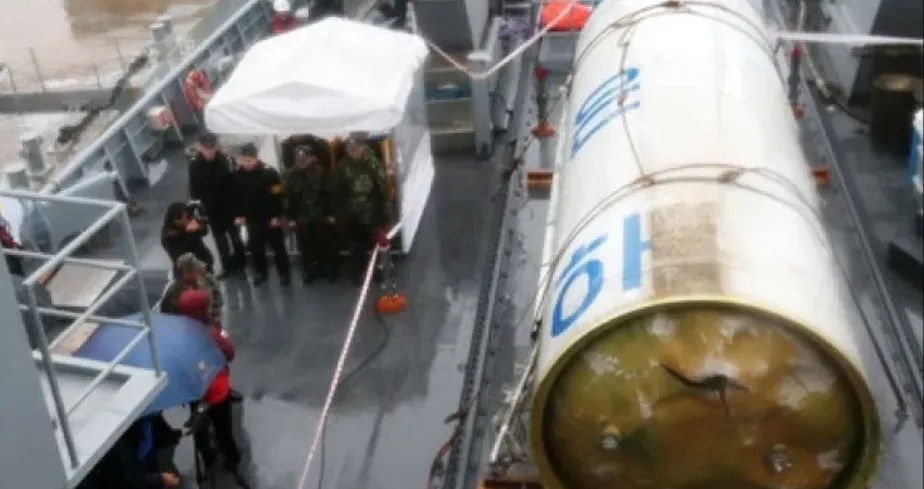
<point x="111" y="212"/>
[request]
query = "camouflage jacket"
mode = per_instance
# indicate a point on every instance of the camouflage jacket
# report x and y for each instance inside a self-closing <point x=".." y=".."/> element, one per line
<point x="305" y="194"/>
<point x="360" y="189"/>
<point x="206" y="282"/>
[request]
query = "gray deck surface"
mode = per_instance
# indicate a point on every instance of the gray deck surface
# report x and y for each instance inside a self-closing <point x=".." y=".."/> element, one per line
<point x="387" y="421"/>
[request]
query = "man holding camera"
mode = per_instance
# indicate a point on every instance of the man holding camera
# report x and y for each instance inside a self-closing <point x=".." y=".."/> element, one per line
<point x="210" y="177"/>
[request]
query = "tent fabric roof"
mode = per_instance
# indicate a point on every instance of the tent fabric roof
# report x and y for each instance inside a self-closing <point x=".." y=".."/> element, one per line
<point x="327" y="78"/>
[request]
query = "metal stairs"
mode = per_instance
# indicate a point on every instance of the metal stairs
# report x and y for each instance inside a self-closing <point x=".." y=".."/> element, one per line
<point x="59" y="414"/>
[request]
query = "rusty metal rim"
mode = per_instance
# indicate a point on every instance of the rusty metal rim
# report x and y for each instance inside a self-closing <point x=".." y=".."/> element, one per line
<point x="867" y="462"/>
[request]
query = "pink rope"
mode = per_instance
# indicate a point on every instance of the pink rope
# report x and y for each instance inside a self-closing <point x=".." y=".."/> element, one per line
<point x="338" y="370"/>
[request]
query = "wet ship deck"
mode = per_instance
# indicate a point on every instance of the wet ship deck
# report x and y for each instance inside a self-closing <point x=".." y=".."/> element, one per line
<point x="387" y="421"/>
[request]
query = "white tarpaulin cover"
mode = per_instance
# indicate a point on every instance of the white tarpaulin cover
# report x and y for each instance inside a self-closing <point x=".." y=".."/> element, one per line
<point x="327" y="78"/>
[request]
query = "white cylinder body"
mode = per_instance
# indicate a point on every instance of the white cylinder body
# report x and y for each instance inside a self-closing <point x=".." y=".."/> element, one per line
<point x="685" y="97"/>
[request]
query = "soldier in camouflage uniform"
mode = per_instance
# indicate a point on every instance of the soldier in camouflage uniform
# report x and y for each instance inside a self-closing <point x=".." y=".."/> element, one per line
<point x="307" y="211"/>
<point x="361" y="200"/>
<point x="192" y="274"/>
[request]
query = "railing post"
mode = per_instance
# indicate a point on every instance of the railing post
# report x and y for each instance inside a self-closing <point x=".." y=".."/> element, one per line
<point x="481" y="103"/>
<point x="132" y="251"/>
<point x="38" y="70"/>
<point x="13" y="87"/>
<point x="118" y="48"/>
<point x="99" y="83"/>
<point x="60" y="410"/>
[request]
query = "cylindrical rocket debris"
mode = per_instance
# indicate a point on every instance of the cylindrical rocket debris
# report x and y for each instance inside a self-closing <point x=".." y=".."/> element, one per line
<point x="697" y="333"/>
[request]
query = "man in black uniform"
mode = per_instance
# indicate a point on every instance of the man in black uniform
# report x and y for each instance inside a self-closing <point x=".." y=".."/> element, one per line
<point x="258" y="203"/>
<point x="210" y="175"/>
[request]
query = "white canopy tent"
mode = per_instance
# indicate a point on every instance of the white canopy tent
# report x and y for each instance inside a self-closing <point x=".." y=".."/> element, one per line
<point x="326" y="79"/>
<point x="331" y="78"/>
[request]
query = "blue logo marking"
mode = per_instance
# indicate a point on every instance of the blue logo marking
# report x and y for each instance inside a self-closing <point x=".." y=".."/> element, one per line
<point x="633" y="247"/>
<point x="598" y="109"/>
<point x="583" y="264"/>
<point x="577" y="266"/>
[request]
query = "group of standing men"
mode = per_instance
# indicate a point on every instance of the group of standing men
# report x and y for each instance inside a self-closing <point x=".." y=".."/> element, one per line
<point x="328" y="208"/>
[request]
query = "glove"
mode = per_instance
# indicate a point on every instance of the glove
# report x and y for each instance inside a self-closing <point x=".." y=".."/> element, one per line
<point x="381" y="239"/>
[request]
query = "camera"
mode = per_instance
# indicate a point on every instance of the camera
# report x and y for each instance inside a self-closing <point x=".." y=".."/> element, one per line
<point x="195" y="210"/>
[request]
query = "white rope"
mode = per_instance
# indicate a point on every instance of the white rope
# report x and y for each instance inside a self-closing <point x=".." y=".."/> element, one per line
<point x="854" y="39"/>
<point x="341" y="361"/>
<point x="482" y="75"/>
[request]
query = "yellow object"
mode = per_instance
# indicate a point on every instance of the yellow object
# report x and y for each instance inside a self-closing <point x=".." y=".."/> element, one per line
<point x="276" y="189"/>
<point x="633" y="406"/>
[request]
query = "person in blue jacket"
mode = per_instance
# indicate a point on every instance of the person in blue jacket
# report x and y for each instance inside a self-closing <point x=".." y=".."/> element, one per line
<point x="132" y="462"/>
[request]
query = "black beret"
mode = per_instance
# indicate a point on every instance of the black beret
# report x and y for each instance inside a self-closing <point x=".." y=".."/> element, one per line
<point x="208" y="140"/>
<point x="249" y="149"/>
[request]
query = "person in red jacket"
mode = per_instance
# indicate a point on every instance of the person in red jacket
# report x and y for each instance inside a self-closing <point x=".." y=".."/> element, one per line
<point x="194" y="303"/>
<point x="283" y="18"/>
<point x="14" y="263"/>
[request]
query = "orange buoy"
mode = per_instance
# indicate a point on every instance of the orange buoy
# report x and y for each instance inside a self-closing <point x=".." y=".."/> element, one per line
<point x="393" y="303"/>
<point x="574" y="20"/>
<point x="543" y="130"/>
<point x="821" y="174"/>
<point x="197" y="89"/>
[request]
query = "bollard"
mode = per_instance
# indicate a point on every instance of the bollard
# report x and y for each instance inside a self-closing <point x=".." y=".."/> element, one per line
<point x="159" y="32"/>
<point x="17" y="176"/>
<point x="31" y="151"/>
<point x="167" y="22"/>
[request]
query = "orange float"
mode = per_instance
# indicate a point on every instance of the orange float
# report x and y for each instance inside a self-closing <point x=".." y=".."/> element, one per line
<point x="574" y="20"/>
<point x="197" y="88"/>
<point x="390" y="304"/>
